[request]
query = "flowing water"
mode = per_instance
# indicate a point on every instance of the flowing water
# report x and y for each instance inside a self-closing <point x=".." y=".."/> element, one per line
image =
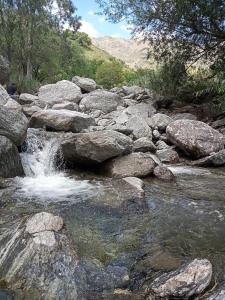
<point x="111" y="229"/>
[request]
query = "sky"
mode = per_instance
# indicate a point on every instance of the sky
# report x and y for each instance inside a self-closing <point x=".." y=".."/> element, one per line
<point x="97" y="26"/>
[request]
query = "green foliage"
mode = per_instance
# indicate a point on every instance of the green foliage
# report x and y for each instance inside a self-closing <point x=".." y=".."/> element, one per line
<point x="110" y="74"/>
<point x="83" y="39"/>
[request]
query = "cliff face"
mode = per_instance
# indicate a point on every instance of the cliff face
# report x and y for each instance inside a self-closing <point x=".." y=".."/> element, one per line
<point x="132" y="52"/>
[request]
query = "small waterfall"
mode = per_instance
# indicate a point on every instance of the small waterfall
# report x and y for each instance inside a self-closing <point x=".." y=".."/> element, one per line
<point x="45" y="177"/>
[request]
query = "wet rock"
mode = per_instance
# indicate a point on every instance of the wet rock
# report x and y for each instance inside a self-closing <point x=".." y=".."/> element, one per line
<point x="10" y="163"/>
<point x="213" y="160"/>
<point x="191" y="279"/>
<point x="139" y="127"/>
<point x="168" y="155"/>
<point x="44" y="264"/>
<point x="131" y="165"/>
<point x="27" y="99"/>
<point x="95" y="147"/>
<point x="194" y="137"/>
<point x="66" y="105"/>
<point x="184" y="116"/>
<point x="61" y="120"/>
<point x="44" y="222"/>
<point x="4" y="97"/>
<point x="100" y="100"/>
<point x="163" y="173"/>
<point x="4" y="70"/>
<point x="218" y="294"/>
<point x="144" y="144"/>
<point x="13" y="125"/>
<point x="61" y="91"/>
<point x="86" y="84"/>
<point x="161" y="121"/>
<point x="136" y="184"/>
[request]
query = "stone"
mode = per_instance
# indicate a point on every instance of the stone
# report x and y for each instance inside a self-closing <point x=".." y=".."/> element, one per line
<point x="131" y="165"/>
<point x="218" y="294"/>
<point x="161" y="121"/>
<point x="25" y="98"/>
<point x="13" y="125"/>
<point x="59" y="92"/>
<point x="189" y="280"/>
<point x="144" y="144"/>
<point x="213" y="160"/>
<point x="100" y="100"/>
<point x="61" y="120"/>
<point x="162" y="145"/>
<point x="95" y="147"/>
<point x="10" y="163"/>
<point x="30" y="110"/>
<point x="66" y="105"/>
<point x="4" y="96"/>
<point x="137" y="184"/>
<point x="4" y="70"/>
<point x="86" y="84"/>
<point x="12" y="104"/>
<point x="156" y="134"/>
<point x="218" y="123"/>
<point x="194" y="137"/>
<point x="45" y="238"/>
<point x="133" y="90"/>
<point x="168" y="155"/>
<point x="120" y="128"/>
<point x="184" y="116"/>
<point x="44" y="222"/>
<point x="163" y="173"/>
<point x="143" y="110"/>
<point x="139" y="127"/>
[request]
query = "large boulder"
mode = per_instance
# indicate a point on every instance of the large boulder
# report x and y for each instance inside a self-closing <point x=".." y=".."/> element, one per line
<point x="10" y="163"/>
<point x="27" y="99"/>
<point x="131" y="165"/>
<point x="168" y="155"/>
<point x="100" y="100"/>
<point x="4" y="70"/>
<point x="189" y="280"/>
<point x="213" y="160"/>
<point x="139" y="127"/>
<point x="61" y="91"/>
<point x="86" y="84"/>
<point x="4" y="96"/>
<point x="160" y="121"/>
<point x="61" y="120"/>
<point x="144" y="144"/>
<point x="194" y="137"/>
<point x="95" y="147"/>
<point x="13" y="125"/>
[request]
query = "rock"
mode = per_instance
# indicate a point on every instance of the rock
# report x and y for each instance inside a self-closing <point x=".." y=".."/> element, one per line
<point x="12" y="104"/>
<point x="61" y="91"/>
<point x="168" y="155"/>
<point x="162" y="145"/>
<point x="139" y="127"/>
<point x="131" y="165"/>
<point x="184" y="116"/>
<point x="142" y="110"/>
<point x="30" y="110"/>
<point x="4" y="70"/>
<point x="133" y="90"/>
<point x="156" y="134"/>
<point x="100" y="100"/>
<point x="4" y="97"/>
<point x="61" y="120"/>
<point x="10" y="163"/>
<point x="95" y="147"/>
<point x="44" y="264"/>
<point x="213" y="160"/>
<point x="137" y="184"/>
<point x="86" y="84"/>
<point x="218" y="294"/>
<point x="27" y="99"/>
<point x="191" y="279"/>
<point x="159" y="121"/>
<point x="218" y="123"/>
<point x="144" y="144"/>
<point x="194" y="137"/>
<point x="66" y="105"/>
<point x="120" y="128"/>
<point x="13" y="125"/>
<point x="163" y="173"/>
<point x="44" y="222"/>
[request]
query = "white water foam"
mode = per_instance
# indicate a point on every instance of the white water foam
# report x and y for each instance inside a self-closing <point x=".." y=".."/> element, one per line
<point x="45" y="179"/>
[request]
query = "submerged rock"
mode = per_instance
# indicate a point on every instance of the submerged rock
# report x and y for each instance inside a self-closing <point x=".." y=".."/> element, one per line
<point x="137" y="185"/>
<point x="218" y="294"/>
<point x="44" y="222"/>
<point x="13" y="125"/>
<point x="10" y="163"/>
<point x="86" y="84"/>
<point x="163" y="173"/>
<point x="61" y="120"/>
<point x="194" y="137"/>
<point x="95" y="147"/>
<point x="131" y="165"/>
<point x="191" y="279"/>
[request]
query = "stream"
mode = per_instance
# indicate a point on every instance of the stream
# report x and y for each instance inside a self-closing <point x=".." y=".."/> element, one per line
<point x="114" y="232"/>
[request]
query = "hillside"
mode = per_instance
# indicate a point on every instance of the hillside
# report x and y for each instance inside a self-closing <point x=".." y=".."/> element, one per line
<point x="133" y="53"/>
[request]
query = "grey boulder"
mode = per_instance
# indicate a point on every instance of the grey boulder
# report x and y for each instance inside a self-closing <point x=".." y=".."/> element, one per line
<point x="66" y="105"/>
<point x="213" y="160"/>
<point x="144" y="144"/>
<point x="4" y="97"/>
<point x="27" y="99"/>
<point x="168" y="155"/>
<point x="61" y="120"/>
<point x="86" y="84"/>
<point x="139" y="127"/>
<point x="163" y="173"/>
<point x="194" y="137"/>
<point x="159" y="121"/>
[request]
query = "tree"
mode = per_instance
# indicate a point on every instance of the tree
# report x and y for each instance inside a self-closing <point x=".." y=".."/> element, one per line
<point x="192" y="28"/>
